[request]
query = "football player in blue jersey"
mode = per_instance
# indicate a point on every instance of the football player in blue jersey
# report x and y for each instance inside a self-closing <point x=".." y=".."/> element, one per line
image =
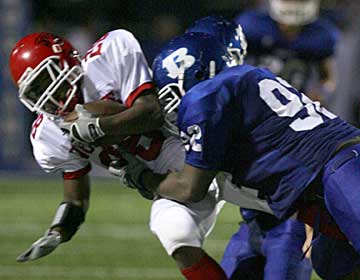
<point x="250" y="251"/>
<point x="298" y="45"/>
<point x="294" y="43"/>
<point x="250" y="123"/>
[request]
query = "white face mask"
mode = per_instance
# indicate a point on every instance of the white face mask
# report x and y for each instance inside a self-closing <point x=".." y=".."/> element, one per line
<point x="48" y="89"/>
<point x="294" y="12"/>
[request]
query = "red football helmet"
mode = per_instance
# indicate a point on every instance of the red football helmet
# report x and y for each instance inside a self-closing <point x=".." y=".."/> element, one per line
<point x="47" y="70"/>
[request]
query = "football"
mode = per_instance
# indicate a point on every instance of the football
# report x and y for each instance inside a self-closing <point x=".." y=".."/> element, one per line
<point x="101" y="108"/>
<point x="98" y="108"/>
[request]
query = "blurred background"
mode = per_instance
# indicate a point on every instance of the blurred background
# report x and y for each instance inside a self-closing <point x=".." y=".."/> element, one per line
<point x="153" y="23"/>
<point x="27" y="205"/>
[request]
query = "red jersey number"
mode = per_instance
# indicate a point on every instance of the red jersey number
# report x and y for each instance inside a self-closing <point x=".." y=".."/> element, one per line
<point x="36" y="124"/>
<point x="96" y="48"/>
<point x="147" y="146"/>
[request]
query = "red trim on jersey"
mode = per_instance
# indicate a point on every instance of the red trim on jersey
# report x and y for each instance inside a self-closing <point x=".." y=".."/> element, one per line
<point x="77" y="174"/>
<point x="131" y="98"/>
<point x="109" y="96"/>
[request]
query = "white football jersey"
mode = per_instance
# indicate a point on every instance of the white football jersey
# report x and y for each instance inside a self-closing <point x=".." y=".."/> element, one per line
<point x="55" y="152"/>
<point x="115" y="68"/>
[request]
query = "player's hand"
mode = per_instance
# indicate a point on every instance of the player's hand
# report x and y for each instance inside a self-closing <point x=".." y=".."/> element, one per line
<point x="41" y="247"/>
<point x="130" y="173"/>
<point x="85" y="128"/>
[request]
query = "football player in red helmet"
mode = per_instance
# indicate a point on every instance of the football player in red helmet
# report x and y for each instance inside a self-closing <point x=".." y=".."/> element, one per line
<point x="53" y="81"/>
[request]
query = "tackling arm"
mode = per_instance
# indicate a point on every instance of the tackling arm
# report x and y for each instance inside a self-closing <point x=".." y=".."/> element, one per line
<point x="189" y="185"/>
<point x="69" y="216"/>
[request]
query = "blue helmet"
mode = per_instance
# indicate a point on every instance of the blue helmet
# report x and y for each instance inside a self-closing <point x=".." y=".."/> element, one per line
<point x="185" y="61"/>
<point x="227" y="32"/>
<point x="182" y="63"/>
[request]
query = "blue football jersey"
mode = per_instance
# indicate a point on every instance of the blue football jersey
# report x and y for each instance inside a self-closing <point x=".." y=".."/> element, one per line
<point x="297" y="60"/>
<point x="256" y="126"/>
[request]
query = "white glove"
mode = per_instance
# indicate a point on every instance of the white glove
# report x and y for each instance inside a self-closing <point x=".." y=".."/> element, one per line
<point x="130" y="173"/>
<point x="85" y="128"/>
<point x="41" y="247"/>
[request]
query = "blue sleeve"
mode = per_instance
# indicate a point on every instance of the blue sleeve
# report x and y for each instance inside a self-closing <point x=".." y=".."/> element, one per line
<point x="204" y="132"/>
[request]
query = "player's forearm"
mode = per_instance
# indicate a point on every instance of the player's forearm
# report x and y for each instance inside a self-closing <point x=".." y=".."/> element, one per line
<point x="67" y="220"/>
<point x="72" y="211"/>
<point x="75" y="218"/>
<point x="83" y="204"/>
<point x="145" y="115"/>
<point x="172" y="186"/>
